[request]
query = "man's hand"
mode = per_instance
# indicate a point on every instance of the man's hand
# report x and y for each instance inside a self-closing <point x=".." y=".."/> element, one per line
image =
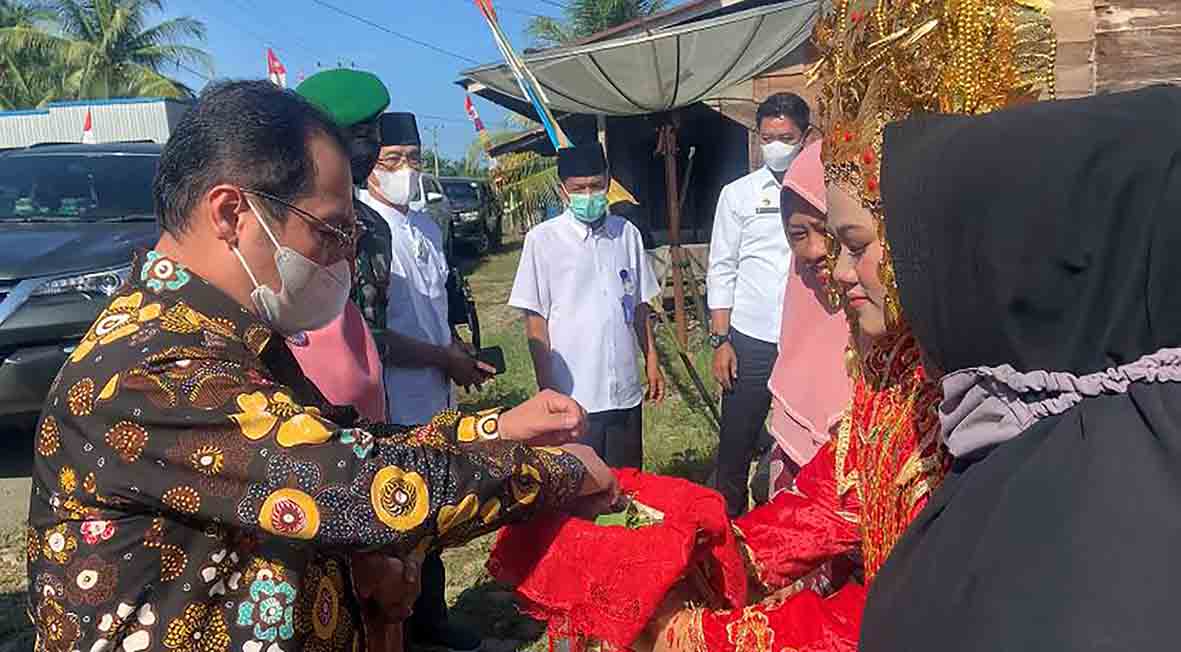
<point x="726" y="366"/>
<point x="466" y="371"/>
<point x="655" y="381"/>
<point x="387" y="586"/>
<point x="600" y="489"/>
<point x="548" y="419"/>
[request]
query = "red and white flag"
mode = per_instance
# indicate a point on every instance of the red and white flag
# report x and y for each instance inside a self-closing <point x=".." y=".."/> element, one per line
<point x="275" y="70"/>
<point x="88" y="130"/>
<point x="471" y="113"/>
<point x="481" y="133"/>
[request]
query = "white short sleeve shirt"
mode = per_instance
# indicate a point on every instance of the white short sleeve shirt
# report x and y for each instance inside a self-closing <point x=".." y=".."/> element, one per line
<point x="417" y="308"/>
<point x="749" y="256"/>
<point x="587" y="285"/>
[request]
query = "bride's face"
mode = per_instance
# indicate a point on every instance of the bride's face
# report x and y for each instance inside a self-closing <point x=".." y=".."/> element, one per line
<point x="857" y="266"/>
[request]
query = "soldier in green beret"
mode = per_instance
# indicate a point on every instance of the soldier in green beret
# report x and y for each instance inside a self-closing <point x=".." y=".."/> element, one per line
<point x="355" y="100"/>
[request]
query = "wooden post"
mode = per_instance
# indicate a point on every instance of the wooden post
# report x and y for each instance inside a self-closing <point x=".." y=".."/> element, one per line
<point x="672" y="187"/>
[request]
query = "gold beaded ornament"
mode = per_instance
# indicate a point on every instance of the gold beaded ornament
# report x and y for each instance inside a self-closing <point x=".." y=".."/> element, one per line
<point x="882" y="61"/>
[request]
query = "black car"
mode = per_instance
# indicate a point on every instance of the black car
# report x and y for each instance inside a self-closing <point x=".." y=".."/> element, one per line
<point x="70" y="218"/>
<point x="477" y="212"/>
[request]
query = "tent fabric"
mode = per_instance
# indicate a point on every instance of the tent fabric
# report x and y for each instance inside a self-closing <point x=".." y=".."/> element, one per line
<point x="666" y="68"/>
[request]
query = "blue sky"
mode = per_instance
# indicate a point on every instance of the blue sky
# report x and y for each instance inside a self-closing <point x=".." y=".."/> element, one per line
<point x="305" y="34"/>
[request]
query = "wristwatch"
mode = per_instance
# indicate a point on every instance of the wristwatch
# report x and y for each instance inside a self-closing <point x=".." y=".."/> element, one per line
<point x="716" y="341"/>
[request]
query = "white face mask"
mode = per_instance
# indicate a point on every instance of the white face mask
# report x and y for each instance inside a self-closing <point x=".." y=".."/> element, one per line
<point x="778" y="155"/>
<point x="397" y="186"/>
<point x="311" y="295"/>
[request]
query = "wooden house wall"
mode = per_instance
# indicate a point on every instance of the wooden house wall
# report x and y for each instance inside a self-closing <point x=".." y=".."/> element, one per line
<point x="1137" y="44"/>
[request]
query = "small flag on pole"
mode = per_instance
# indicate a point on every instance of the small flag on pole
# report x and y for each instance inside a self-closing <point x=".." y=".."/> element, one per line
<point x="88" y="130"/>
<point x="275" y="70"/>
<point x="470" y="108"/>
<point x="528" y="84"/>
<point x="481" y="133"/>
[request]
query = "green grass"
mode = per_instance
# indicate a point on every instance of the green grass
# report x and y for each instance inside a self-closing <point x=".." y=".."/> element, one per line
<point x="679" y="439"/>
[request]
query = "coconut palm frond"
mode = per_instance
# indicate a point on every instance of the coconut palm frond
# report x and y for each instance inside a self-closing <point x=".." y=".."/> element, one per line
<point x="84" y="49"/>
<point x="584" y="18"/>
<point x="526" y="183"/>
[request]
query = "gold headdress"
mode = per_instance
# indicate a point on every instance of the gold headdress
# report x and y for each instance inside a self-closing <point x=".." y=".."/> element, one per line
<point x="880" y="62"/>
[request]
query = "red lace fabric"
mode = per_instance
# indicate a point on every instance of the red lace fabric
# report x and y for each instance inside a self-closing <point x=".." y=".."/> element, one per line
<point x="856" y="496"/>
<point x="800" y="622"/>
<point x="606" y="583"/>
<point x="802" y="528"/>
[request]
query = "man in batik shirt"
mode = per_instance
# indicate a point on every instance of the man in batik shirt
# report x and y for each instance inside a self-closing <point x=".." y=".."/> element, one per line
<point x="191" y="489"/>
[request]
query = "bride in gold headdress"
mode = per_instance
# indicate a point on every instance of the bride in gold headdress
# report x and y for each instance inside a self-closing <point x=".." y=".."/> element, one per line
<point x="879" y="63"/>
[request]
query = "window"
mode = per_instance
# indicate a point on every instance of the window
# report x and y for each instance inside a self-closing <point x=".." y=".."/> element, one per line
<point x="76" y="186"/>
<point x="461" y="191"/>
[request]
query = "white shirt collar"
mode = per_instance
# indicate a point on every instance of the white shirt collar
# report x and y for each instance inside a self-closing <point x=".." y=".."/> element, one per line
<point x="582" y="229"/>
<point x="766" y="177"/>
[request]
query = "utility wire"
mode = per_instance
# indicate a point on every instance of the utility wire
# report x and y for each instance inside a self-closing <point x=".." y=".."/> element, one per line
<point x="198" y="73"/>
<point x="427" y="116"/>
<point x="246" y="11"/>
<point x="391" y="32"/>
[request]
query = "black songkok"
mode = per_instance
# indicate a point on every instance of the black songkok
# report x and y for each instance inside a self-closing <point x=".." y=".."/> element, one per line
<point x="585" y="160"/>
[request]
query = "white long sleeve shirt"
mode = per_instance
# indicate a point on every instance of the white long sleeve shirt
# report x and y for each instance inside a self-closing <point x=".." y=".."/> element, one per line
<point x="587" y="285"/>
<point x="749" y="257"/>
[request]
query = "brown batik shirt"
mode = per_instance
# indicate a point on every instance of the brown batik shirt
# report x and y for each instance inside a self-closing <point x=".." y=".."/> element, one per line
<point x="192" y="492"/>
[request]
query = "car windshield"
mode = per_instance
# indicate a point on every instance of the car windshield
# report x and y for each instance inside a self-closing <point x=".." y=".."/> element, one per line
<point x="462" y="191"/>
<point x="82" y="187"/>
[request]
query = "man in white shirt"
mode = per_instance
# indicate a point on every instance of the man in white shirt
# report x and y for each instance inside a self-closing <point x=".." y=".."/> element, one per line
<point x="421" y="357"/>
<point x="748" y="264"/>
<point x="584" y="283"/>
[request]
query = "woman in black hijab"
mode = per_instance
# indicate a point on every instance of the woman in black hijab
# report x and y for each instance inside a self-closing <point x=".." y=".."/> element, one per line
<point x="1038" y="258"/>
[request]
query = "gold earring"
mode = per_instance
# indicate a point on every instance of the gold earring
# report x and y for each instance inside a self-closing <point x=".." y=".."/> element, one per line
<point x="891" y="305"/>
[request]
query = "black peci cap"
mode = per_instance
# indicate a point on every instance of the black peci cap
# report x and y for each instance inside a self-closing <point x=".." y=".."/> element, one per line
<point x="586" y="160"/>
<point x="399" y="129"/>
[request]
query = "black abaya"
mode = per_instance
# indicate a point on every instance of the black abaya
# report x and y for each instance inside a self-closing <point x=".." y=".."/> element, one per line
<point x="1047" y="237"/>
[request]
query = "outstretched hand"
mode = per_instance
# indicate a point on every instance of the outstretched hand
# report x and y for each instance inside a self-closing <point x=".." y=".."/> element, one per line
<point x="548" y="419"/>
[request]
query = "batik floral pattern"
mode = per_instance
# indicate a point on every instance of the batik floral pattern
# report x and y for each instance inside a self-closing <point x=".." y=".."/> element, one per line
<point x="161" y="273"/>
<point x="270" y="611"/>
<point x="183" y="458"/>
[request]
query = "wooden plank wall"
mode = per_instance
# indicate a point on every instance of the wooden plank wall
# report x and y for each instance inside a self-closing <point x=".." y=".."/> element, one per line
<point x="1137" y="43"/>
<point x="1074" y="25"/>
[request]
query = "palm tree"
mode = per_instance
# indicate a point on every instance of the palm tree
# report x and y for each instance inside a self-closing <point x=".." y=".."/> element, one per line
<point x="587" y="17"/>
<point x="106" y="48"/>
<point x="526" y="182"/>
<point x="27" y="78"/>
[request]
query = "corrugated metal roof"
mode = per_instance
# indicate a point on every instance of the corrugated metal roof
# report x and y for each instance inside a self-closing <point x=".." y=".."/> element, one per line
<point x="114" y="120"/>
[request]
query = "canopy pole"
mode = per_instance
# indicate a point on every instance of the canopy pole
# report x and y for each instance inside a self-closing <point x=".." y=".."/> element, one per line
<point x="601" y="124"/>
<point x="668" y="147"/>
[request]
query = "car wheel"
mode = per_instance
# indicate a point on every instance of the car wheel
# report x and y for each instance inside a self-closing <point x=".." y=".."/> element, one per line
<point x="483" y="242"/>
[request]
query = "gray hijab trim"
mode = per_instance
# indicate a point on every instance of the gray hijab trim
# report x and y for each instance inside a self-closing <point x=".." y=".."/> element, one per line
<point x="983" y="406"/>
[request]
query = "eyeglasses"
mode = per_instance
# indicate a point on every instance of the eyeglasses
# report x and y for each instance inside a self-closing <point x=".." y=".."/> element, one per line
<point x="342" y="238"/>
<point x="394" y="160"/>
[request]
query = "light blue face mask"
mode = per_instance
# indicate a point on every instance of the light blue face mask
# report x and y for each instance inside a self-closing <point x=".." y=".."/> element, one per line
<point x="589" y="207"/>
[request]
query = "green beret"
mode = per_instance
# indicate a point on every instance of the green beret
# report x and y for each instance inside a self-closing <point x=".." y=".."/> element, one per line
<point x="349" y="97"/>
